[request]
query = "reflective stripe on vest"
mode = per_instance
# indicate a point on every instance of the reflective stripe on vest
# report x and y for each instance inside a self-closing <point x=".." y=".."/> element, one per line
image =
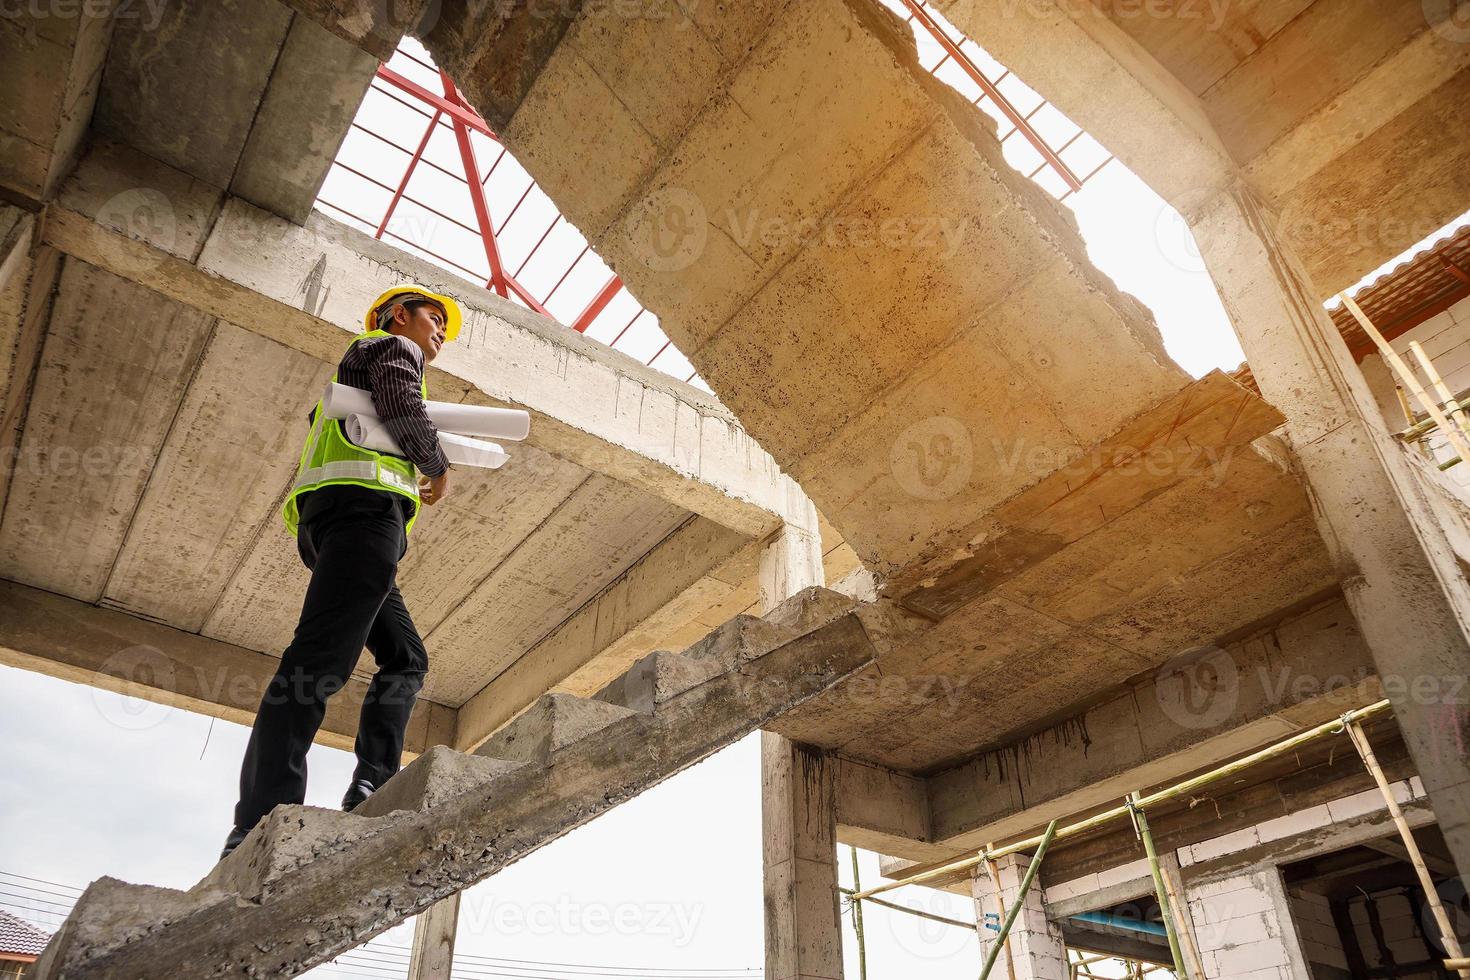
<point x="330" y="458"/>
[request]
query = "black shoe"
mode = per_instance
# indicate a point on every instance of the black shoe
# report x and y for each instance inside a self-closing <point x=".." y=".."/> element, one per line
<point x="237" y="836"/>
<point x="360" y="790"/>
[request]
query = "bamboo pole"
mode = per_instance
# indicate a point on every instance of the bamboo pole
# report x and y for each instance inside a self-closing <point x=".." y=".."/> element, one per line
<point x="1010" y="920"/>
<point x="1416" y="857"/>
<point x="1161" y="892"/>
<point x="916" y="912"/>
<point x="1448" y="405"/>
<point x="1182" y="920"/>
<point x="1000" y="900"/>
<point x="1392" y="357"/>
<point x="1178" y="789"/>
<point x="857" y="918"/>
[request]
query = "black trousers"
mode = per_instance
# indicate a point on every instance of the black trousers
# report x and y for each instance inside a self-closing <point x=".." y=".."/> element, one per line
<point x="352" y="539"/>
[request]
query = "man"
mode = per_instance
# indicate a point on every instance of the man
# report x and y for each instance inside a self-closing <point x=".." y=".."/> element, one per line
<point x="351" y="510"/>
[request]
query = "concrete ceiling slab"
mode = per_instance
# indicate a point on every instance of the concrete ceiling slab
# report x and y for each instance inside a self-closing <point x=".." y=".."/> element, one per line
<point x="217" y="484"/>
<point x="116" y="362"/>
<point x="187" y="89"/>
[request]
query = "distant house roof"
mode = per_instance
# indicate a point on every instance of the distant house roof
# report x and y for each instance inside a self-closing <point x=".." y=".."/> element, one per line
<point x="19" y="938"/>
<point x="1417" y="289"/>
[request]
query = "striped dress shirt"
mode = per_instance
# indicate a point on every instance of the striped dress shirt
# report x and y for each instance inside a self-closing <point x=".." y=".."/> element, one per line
<point x="390" y="369"/>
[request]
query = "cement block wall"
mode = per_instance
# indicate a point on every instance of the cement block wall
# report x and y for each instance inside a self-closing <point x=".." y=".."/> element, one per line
<point x="1321" y="942"/>
<point x="1390" y="931"/>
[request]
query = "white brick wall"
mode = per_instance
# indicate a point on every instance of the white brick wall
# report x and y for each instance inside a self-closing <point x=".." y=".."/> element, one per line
<point x="1244" y="928"/>
<point x="1035" y="941"/>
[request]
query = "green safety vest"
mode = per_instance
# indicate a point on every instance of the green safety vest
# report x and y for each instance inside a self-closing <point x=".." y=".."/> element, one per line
<point x="329" y="459"/>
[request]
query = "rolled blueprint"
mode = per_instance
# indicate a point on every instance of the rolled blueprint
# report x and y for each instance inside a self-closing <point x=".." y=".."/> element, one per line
<point x="369" y="432"/>
<point x="339" y="401"/>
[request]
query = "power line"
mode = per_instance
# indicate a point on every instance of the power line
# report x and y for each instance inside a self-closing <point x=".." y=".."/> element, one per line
<point x="390" y="960"/>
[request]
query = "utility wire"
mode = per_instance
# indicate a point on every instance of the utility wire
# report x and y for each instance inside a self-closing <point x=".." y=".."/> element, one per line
<point x="392" y="960"/>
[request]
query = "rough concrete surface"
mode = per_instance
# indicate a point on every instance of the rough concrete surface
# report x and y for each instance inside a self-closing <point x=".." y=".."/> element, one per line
<point x="309" y="884"/>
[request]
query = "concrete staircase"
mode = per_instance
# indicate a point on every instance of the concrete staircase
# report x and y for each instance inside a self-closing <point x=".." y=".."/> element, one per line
<point x="309" y="884"/>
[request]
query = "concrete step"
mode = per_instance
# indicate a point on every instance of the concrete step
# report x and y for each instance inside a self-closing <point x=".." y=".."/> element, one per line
<point x="656" y="678"/>
<point x="288" y="839"/>
<point x="745" y="638"/>
<point x="434" y="778"/>
<point x="309" y="884"/>
<point x="554" y="722"/>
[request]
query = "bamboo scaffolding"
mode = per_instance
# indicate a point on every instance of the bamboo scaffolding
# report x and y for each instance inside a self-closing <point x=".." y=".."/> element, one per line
<point x="1182" y="922"/>
<point x="1000" y="901"/>
<point x="1010" y="920"/>
<point x="920" y="913"/>
<point x="1161" y="891"/>
<point x="857" y="919"/>
<point x="1168" y="793"/>
<point x="1462" y="449"/>
<point x="1431" y="894"/>
<point x="1448" y="405"/>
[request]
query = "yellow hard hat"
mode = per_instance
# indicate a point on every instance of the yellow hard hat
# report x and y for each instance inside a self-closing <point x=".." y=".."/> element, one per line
<point x="452" y="316"/>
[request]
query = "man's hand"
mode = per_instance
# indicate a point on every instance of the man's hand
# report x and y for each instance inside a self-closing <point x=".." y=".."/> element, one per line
<point x="433" y="489"/>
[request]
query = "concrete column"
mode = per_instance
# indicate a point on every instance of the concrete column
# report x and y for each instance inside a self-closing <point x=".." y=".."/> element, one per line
<point x="791" y="561"/>
<point x="798" y="805"/>
<point x="433" y="941"/>
<point x="1036" y="948"/>
<point x="799" y="829"/>
<point x="1245" y="929"/>
<point x="1399" y="574"/>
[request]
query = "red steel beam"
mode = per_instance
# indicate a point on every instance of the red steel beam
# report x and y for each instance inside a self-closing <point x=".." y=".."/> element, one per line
<point x="455" y="109"/>
<point x="599" y="303"/>
<point x="978" y="77"/>
<point x="413" y="163"/>
<point x="477" y="190"/>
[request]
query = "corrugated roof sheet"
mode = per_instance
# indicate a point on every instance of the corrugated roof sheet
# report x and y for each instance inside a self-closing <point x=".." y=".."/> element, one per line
<point x="17" y="936"/>
<point x="1412" y="292"/>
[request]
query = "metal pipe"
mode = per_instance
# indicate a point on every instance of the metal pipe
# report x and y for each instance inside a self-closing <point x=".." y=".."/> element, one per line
<point x="1005" y="927"/>
<point x="1122" y="922"/>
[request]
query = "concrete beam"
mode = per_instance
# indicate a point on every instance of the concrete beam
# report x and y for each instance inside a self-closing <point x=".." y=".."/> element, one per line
<point x="884" y="811"/>
<point x="1148" y="119"/>
<point x="51" y="71"/>
<point x="1196" y="711"/>
<point x="185" y="84"/>
<point x="673" y="583"/>
<point x="85" y="644"/>
<point x="294" y="139"/>
<point x="376" y="28"/>
<point x="591" y="406"/>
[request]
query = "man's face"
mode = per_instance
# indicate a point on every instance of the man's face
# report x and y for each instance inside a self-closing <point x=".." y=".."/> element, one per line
<point x="422" y="323"/>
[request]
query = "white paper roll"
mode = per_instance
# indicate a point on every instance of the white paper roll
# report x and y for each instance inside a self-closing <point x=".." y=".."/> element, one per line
<point x="369" y="432"/>
<point x="339" y="401"/>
